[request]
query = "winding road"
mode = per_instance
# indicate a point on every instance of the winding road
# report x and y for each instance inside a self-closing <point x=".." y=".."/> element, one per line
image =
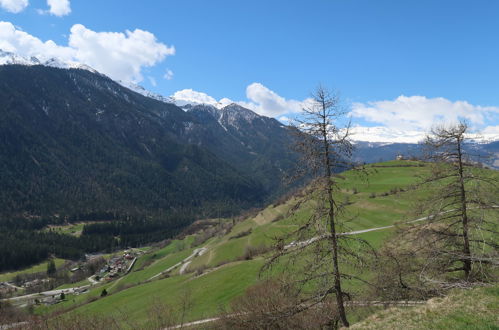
<point x="184" y="263"/>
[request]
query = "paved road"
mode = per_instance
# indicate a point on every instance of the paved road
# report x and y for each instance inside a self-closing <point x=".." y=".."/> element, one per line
<point x="187" y="260"/>
<point x="48" y="293"/>
<point x="13" y="286"/>
<point x="355" y="232"/>
<point x="92" y="280"/>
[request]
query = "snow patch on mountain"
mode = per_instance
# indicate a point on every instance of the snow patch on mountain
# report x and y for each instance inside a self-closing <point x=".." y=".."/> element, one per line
<point x="142" y="91"/>
<point x="228" y="116"/>
<point x="7" y="58"/>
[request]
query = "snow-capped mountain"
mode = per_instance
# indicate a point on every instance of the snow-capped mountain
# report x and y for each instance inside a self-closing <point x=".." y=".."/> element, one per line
<point x="12" y="58"/>
<point x="142" y="91"/>
<point x="385" y="135"/>
<point x="380" y="134"/>
<point x="373" y="143"/>
<point x="7" y="58"/>
<point x="232" y="115"/>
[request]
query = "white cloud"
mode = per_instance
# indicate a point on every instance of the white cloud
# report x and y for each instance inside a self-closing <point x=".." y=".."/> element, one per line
<point x="59" y="7"/>
<point x="122" y="56"/>
<point x="260" y="99"/>
<point x="403" y="120"/>
<point x="268" y="103"/>
<point x="14" y="6"/>
<point x="22" y="43"/>
<point x="189" y="96"/>
<point x="420" y="112"/>
<point x="168" y="74"/>
<point x="385" y="134"/>
<point x="490" y="133"/>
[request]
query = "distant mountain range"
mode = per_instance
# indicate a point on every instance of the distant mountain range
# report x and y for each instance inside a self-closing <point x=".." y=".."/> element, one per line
<point x="371" y="152"/>
<point x="75" y="142"/>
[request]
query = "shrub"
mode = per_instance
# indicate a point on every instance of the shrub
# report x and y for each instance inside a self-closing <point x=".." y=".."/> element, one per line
<point x="252" y="251"/>
<point x="241" y="234"/>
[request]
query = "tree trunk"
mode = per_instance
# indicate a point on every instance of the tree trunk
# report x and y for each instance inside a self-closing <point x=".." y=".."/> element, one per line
<point x="464" y="214"/>
<point x="332" y="228"/>
<point x="336" y="270"/>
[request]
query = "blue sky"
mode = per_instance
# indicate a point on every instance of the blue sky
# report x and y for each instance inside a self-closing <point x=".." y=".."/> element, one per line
<point x="389" y="59"/>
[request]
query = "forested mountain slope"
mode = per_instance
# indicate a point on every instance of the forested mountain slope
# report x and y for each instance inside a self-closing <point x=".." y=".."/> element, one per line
<point x="75" y="143"/>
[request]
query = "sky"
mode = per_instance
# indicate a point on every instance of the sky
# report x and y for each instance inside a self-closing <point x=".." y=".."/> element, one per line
<point x="400" y="66"/>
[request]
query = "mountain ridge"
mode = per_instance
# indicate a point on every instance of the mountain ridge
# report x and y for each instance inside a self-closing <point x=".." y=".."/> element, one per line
<point x="44" y="125"/>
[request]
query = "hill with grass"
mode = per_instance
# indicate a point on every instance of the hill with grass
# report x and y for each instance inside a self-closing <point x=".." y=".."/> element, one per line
<point x="236" y="248"/>
<point x="461" y="309"/>
<point x="215" y="261"/>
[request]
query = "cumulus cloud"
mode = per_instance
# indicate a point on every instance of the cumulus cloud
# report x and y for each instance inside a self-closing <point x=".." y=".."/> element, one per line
<point x="490" y="133"/>
<point x="403" y="120"/>
<point x="420" y="112"/>
<point x="14" y="6"/>
<point x="189" y="96"/>
<point x="22" y="43"/>
<point x="122" y="56"/>
<point x="59" y="7"/>
<point x="260" y="99"/>
<point x="268" y="103"/>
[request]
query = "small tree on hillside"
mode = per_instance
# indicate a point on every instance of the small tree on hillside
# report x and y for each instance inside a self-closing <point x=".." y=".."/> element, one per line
<point x="51" y="269"/>
<point x="319" y="249"/>
<point x="459" y="241"/>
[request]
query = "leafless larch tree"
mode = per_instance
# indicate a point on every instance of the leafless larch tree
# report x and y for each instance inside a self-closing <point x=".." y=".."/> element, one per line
<point x="460" y="240"/>
<point x="313" y="255"/>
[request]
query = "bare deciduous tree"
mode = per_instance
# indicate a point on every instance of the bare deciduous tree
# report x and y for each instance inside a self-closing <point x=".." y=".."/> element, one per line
<point x="459" y="241"/>
<point x="319" y="249"/>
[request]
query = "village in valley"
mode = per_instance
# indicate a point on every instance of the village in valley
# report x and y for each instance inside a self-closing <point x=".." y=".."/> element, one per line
<point x="50" y="287"/>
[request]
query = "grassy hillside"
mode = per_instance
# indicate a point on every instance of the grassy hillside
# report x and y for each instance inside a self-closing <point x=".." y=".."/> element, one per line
<point x="463" y="309"/>
<point x="39" y="268"/>
<point x="212" y="280"/>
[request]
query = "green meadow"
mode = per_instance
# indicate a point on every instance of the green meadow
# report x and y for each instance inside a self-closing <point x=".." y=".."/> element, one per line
<point x="386" y="197"/>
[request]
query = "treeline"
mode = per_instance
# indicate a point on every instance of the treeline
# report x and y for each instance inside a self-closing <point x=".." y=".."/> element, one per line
<point x="134" y="233"/>
<point x="22" y="248"/>
<point x="37" y="223"/>
<point x="25" y="245"/>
